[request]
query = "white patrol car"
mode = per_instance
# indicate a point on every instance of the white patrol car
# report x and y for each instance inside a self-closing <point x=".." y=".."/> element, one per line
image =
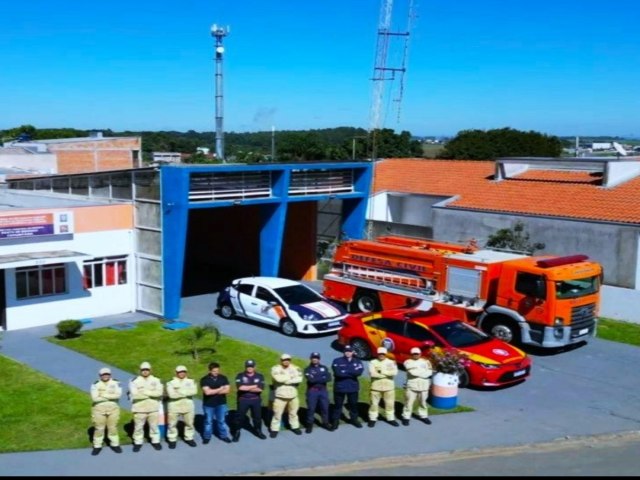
<point x="289" y="305"/>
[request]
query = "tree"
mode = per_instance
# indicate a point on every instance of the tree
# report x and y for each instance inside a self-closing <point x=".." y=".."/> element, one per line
<point x="504" y="142"/>
<point x="201" y="337"/>
<point x="515" y="238"/>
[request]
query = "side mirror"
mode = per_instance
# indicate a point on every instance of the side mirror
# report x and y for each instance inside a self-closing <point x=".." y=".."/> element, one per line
<point x="273" y="303"/>
<point x="428" y="344"/>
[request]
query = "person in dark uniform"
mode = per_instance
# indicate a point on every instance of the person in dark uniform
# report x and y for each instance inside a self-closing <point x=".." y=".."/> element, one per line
<point x="215" y="388"/>
<point x="317" y="376"/>
<point x="346" y="370"/>
<point x="250" y="385"/>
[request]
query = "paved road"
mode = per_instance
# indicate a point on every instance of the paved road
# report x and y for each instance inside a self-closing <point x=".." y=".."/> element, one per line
<point x="591" y="390"/>
<point x="603" y="455"/>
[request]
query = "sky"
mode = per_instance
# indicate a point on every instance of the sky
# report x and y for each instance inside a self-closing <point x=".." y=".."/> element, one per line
<point x="560" y="67"/>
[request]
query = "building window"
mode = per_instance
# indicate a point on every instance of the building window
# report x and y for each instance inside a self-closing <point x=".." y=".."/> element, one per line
<point x="41" y="280"/>
<point x="105" y="272"/>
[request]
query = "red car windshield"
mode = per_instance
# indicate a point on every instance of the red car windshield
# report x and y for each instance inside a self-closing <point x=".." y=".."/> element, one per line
<point x="459" y="335"/>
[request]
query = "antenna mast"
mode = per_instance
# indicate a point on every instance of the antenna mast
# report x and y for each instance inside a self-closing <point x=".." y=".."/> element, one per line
<point x="219" y="33"/>
<point x="382" y="72"/>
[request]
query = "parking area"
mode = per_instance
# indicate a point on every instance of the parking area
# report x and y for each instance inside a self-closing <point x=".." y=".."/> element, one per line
<point x="591" y="390"/>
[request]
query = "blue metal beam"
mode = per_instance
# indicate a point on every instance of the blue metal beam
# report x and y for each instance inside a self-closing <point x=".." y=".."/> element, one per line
<point x="274" y="218"/>
<point x="175" y="220"/>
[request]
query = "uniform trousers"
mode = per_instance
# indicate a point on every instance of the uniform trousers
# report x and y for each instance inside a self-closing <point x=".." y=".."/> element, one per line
<point x="105" y="416"/>
<point x="410" y="396"/>
<point x="279" y="406"/>
<point x="389" y="398"/>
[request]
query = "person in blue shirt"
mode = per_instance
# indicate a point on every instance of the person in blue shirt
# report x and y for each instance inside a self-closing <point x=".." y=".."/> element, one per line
<point x="346" y="372"/>
<point x="250" y="385"/>
<point x="317" y="376"/>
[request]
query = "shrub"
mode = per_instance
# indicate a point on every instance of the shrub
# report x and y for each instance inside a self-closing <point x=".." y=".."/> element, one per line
<point x="448" y="360"/>
<point x="68" y="328"/>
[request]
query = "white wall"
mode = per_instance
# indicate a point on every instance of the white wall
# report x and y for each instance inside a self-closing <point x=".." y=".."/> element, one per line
<point x="78" y="303"/>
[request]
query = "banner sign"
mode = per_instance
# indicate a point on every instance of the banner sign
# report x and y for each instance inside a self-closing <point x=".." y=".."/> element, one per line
<point x="36" y="224"/>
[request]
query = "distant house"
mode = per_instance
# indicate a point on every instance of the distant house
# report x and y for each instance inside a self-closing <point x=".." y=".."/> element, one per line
<point x="166" y="158"/>
<point x="72" y="155"/>
<point x="601" y="146"/>
<point x="585" y="205"/>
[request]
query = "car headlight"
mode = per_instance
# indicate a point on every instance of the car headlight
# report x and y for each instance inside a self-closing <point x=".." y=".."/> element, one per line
<point x="558" y="321"/>
<point x="309" y="317"/>
<point x="488" y="366"/>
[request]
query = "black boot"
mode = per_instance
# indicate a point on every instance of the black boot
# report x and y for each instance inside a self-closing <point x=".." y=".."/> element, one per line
<point x="309" y="428"/>
<point x="236" y="436"/>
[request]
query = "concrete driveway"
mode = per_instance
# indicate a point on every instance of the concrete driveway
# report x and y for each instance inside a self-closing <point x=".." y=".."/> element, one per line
<point x="591" y="390"/>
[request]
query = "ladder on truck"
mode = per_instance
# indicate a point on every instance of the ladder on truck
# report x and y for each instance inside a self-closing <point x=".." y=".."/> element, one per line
<point x="391" y="281"/>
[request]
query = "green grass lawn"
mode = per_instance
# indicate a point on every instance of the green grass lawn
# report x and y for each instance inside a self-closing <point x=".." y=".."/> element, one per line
<point x="40" y="413"/>
<point x="618" y="331"/>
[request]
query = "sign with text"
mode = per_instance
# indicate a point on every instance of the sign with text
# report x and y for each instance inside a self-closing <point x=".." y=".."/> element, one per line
<point x="36" y="224"/>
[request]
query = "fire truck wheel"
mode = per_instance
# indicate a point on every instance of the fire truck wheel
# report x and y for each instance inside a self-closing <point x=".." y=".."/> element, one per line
<point x="361" y="349"/>
<point x="503" y="328"/>
<point x="227" y="311"/>
<point x="366" y="301"/>
<point x="463" y="379"/>
<point x="288" y="327"/>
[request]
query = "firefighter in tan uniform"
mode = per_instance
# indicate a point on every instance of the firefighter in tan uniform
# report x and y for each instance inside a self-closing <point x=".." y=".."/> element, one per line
<point x="180" y="391"/>
<point x="382" y="371"/>
<point x="286" y="378"/>
<point x="419" y="372"/>
<point x="145" y="392"/>
<point x="105" y="411"/>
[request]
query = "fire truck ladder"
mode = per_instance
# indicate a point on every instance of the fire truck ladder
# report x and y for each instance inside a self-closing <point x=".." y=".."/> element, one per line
<point x="384" y="280"/>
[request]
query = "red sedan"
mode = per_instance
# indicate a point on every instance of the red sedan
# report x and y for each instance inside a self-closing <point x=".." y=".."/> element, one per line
<point x="492" y="361"/>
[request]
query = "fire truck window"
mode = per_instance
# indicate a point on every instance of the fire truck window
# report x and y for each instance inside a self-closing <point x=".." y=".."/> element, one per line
<point x="245" y="288"/>
<point x="531" y="285"/>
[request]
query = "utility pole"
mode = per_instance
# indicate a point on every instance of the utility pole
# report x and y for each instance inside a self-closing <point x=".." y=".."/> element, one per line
<point x="273" y="143"/>
<point x="219" y="33"/>
<point x="382" y="72"/>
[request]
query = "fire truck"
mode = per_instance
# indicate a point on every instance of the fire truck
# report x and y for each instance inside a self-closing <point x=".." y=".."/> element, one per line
<point x="548" y="301"/>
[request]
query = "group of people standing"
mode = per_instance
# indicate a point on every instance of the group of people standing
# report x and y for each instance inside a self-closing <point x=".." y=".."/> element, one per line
<point x="147" y="393"/>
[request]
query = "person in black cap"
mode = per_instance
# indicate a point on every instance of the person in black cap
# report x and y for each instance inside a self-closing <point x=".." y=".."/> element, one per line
<point x="317" y="376"/>
<point x="346" y="370"/>
<point x="250" y="385"/>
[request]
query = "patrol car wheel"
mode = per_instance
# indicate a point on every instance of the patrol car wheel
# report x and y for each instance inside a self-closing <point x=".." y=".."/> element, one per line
<point x="463" y="379"/>
<point x="366" y="302"/>
<point x="227" y="311"/>
<point x="288" y="327"/>
<point x="361" y="349"/>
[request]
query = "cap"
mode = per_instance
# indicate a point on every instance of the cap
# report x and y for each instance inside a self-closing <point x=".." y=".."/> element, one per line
<point x="382" y="350"/>
<point x="348" y="348"/>
<point x="314" y="355"/>
<point x="285" y="356"/>
<point x="181" y="368"/>
<point x="415" y="350"/>
<point x="145" y="366"/>
<point x="104" y="371"/>
<point x="250" y="363"/>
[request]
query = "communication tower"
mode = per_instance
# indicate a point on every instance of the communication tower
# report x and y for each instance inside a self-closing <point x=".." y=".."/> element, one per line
<point x="385" y="72"/>
<point x="219" y="33"/>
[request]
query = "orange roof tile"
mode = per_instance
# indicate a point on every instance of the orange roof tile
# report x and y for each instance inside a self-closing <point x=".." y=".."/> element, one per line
<point x="556" y="193"/>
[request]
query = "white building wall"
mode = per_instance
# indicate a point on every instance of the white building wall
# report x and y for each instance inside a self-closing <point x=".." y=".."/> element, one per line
<point x="77" y="303"/>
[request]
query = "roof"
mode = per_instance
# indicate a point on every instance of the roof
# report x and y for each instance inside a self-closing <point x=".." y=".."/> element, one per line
<point x="272" y="282"/>
<point x="554" y="193"/>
